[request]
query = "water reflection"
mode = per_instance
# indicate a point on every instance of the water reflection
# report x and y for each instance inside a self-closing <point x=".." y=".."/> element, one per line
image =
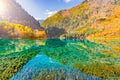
<point x="8" y="46"/>
<point x="54" y="43"/>
<point x="60" y="52"/>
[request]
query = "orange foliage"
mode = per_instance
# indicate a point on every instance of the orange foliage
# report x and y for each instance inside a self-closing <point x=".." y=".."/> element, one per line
<point x="20" y="31"/>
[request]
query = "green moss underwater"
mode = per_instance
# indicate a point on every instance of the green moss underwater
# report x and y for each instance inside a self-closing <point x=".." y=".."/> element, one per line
<point x="66" y="59"/>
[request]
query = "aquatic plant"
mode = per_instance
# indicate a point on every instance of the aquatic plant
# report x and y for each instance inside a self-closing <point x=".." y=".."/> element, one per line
<point x="102" y="70"/>
<point x="11" y="64"/>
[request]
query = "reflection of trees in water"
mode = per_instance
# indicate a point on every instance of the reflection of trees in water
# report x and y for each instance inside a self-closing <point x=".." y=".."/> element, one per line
<point x="53" y="43"/>
<point x="9" y="46"/>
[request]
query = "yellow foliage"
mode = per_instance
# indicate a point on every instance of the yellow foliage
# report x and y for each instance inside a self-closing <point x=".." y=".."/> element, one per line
<point x="40" y="34"/>
<point x="82" y="30"/>
<point x="20" y="31"/>
<point x="110" y="28"/>
<point x="82" y="45"/>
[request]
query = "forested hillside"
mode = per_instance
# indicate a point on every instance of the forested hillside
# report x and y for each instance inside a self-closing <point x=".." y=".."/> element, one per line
<point x="12" y="30"/>
<point x="91" y="19"/>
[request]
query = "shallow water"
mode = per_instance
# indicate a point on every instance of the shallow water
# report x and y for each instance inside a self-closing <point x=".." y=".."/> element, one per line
<point x="31" y="59"/>
<point x="42" y="64"/>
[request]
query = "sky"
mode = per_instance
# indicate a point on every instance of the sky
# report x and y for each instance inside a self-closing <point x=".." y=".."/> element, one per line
<point x="42" y="9"/>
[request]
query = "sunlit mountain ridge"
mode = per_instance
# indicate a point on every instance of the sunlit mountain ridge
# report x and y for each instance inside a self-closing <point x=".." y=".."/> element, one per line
<point x="92" y="18"/>
<point x="11" y="11"/>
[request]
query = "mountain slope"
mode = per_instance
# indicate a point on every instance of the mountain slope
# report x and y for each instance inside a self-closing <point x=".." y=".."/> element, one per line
<point x="67" y="18"/>
<point x="89" y="18"/>
<point x="11" y="11"/>
<point x="41" y="21"/>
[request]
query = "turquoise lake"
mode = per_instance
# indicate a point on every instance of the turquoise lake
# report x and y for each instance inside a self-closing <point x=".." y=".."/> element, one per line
<point x="51" y="59"/>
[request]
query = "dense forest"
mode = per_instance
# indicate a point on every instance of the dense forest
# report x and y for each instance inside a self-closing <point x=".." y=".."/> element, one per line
<point x="12" y="30"/>
<point x="92" y="18"/>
